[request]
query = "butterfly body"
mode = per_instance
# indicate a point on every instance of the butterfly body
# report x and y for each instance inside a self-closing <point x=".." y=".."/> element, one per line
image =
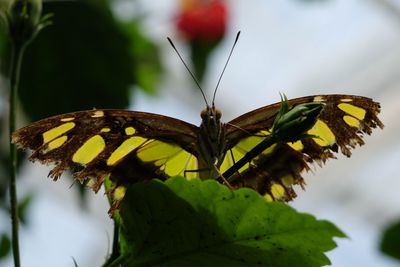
<point x="211" y="143"/>
<point x="134" y="146"/>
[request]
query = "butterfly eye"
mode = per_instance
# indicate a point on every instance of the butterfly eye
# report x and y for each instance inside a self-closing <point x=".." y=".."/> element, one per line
<point x="218" y="114"/>
<point x="204" y="114"/>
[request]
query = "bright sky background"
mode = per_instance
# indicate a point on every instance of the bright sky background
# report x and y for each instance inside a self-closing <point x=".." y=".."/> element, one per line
<point x="333" y="46"/>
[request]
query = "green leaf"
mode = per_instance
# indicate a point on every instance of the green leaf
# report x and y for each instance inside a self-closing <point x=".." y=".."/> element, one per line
<point x="23" y="207"/>
<point x="82" y="61"/>
<point x="200" y="53"/>
<point x="390" y="243"/>
<point x="5" y="246"/>
<point x="203" y="223"/>
<point x="146" y="58"/>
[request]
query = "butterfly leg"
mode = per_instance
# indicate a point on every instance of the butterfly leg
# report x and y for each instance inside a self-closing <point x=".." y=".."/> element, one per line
<point x="220" y="175"/>
<point x="224" y="180"/>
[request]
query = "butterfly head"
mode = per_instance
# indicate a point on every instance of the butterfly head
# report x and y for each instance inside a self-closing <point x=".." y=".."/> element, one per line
<point x="211" y="115"/>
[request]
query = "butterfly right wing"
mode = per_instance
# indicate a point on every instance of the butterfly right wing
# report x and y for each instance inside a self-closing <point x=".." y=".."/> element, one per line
<point x="341" y="124"/>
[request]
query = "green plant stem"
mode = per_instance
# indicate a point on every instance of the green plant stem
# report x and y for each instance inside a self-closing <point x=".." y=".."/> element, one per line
<point x="115" y="252"/>
<point x="15" y="69"/>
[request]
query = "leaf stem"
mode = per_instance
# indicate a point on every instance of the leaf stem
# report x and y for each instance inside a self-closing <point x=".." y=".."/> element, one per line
<point x="15" y="69"/>
<point x="115" y="250"/>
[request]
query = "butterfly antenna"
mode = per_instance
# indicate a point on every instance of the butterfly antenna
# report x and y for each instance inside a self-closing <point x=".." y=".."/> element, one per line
<point x="190" y="72"/>
<point x="226" y="64"/>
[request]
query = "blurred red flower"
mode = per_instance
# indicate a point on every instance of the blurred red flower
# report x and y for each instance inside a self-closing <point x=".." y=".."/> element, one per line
<point x="202" y="20"/>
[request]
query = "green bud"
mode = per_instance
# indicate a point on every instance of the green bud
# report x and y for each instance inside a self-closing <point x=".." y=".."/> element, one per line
<point x="292" y="124"/>
<point x="22" y="18"/>
<point x="4" y="7"/>
<point x="26" y="10"/>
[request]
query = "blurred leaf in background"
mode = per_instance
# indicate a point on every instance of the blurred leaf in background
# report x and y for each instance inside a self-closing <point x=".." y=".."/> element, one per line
<point x="86" y="59"/>
<point x="144" y="54"/>
<point x="203" y="24"/>
<point x="5" y="246"/>
<point x="390" y="243"/>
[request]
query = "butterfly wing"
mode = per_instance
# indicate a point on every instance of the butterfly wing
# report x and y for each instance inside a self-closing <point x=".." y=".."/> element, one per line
<point x="95" y="144"/>
<point x="341" y="125"/>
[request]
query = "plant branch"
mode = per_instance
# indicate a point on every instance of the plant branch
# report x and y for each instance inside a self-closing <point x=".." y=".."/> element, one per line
<point x="115" y="249"/>
<point x="15" y="69"/>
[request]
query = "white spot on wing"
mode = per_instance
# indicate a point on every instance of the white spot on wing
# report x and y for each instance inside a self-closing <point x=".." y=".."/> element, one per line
<point x="98" y="114"/>
<point x="319" y="98"/>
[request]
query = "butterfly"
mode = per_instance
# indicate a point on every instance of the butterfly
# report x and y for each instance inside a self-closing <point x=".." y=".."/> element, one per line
<point x="134" y="146"/>
<point x="131" y="146"/>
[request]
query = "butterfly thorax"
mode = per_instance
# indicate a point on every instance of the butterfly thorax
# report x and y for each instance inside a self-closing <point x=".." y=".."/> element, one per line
<point x="211" y="143"/>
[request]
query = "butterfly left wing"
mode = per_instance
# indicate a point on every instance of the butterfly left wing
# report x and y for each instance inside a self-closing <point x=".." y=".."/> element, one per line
<point x="341" y="124"/>
<point x="129" y="146"/>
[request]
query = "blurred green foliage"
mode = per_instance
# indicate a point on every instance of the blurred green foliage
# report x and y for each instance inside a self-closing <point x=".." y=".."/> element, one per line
<point x="5" y="246"/>
<point x="200" y="55"/>
<point x="86" y="59"/>
<point x="390" y="243"/>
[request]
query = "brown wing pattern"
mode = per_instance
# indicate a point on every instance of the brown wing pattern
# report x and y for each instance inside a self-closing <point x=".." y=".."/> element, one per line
<point x="127" y="145"/>
<point x="341" y="125"/>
